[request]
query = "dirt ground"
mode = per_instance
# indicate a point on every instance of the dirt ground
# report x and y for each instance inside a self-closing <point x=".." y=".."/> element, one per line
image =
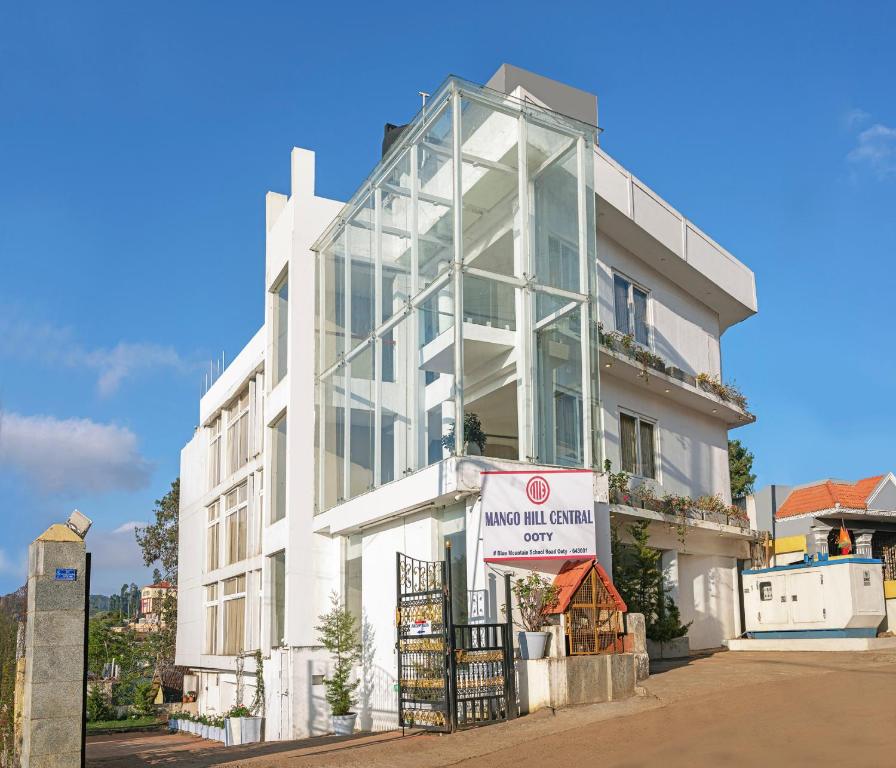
<point x="732" y="709"/>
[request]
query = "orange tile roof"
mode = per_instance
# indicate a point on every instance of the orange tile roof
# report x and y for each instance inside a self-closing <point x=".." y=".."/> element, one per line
<point x="572" y="574"/>
<point x="827" y="495"/>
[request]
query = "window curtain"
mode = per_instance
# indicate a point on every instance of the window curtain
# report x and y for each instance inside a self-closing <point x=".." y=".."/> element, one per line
<point x="620" y="299"/>
<point x="234" y="625"/>
<point x="639" y="300"/>
<point x="211" y="629"/>
<point x="628" y="443"/>
<point x="648" y="460"/>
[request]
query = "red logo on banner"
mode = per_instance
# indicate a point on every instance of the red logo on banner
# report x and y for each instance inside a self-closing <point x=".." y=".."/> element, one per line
<point x="538" y="490"/>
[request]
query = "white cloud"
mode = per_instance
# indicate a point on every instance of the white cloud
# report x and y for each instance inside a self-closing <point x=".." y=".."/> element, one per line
<point x="115" y="559"/>
<point x="129" y="527"/>
<point x="856" y="117"/>
<point x="72" y="455"/>
<point x="875" y="147"/>
<point x="52" y="345"/>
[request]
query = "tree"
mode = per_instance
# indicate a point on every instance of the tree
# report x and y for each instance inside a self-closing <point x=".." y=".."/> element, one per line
<point x="156" y="575"/>
<point x="338" y="633"/>
<point x="158" y="543"/>
<point x="638" y="575"/>
<point x="740" y="467"/>
<point x="158" y="540"/>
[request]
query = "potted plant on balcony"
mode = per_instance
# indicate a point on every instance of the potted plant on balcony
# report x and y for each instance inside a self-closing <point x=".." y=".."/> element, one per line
<point x="338" y="633"/>
<point x="534" y="596"/>
<point x="474" y="437"/>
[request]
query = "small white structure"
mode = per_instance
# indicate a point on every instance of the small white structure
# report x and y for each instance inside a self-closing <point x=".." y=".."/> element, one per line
<point x="841" y="597"/>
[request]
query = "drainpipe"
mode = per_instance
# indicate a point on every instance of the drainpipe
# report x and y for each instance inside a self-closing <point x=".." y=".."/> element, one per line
<point x="774" y="515"/>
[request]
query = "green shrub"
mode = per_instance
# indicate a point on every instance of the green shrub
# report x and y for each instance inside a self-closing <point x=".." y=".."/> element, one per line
<point x="98" y="704"/>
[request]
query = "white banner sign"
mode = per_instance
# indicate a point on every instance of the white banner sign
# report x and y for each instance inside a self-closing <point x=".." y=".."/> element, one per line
<point x="538" y="515"/>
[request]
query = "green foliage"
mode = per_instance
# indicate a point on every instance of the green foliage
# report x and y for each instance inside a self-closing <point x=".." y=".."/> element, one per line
<point x="257" y="705"/>
<point x="338" y="633"/>
<point x="740" y="467"/>
<point x="12" y="610"/>
<point x="98" y="704"/>
<point x="144" y="697"/>
<point x="473" y="433"/>
<point x="638" y="575"/>
<point x="158" y="543"/>
<point x="239" y="710"/>
<point x="534" y="596"/>
<point x="158" y="540"/>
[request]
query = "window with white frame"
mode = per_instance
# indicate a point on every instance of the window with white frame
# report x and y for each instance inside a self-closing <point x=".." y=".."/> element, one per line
<point x="210" y="644"/>
<point x="630" y="303"/>
<point x="213" y="538"/>
<point x="278" y="467"/>
<point x="258" y="513"/>
<point x="281" y="329"/>
<point x="214" y="453"/>
<point x="637" y="445"/>
<point x="238" y="432"/>
<point x="234" y="607"/>
<point x="236" y="509"/>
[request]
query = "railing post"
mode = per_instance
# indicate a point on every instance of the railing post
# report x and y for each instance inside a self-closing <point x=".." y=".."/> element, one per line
<point x="451" y="670"/>
<point x="509" y="661"/>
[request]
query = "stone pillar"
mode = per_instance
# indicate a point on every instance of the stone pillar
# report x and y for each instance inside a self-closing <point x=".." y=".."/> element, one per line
<point x="863" y="543"/>
<point x="818" y="540"/>
<point x="52" y="712"/>
<point x="637" y="629"/>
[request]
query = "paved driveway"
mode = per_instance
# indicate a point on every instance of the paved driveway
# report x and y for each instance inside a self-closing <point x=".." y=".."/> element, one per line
<point x="729" y="709"/>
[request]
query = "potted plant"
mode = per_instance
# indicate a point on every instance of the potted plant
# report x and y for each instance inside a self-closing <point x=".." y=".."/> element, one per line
<point x="338" y="633"/>
<point x="236" y="716"/>
<point x="474" y="436"/>
<point x="534" y="596"/>
<point x="216" y="731"/>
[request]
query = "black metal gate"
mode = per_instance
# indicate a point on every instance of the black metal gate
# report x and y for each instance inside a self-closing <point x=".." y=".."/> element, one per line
<point x="450" y="675"/>
<point x="483" y="674"/>
<point x="423" y="618"/>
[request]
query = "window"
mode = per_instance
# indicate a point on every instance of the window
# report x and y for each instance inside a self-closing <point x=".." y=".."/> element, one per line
<point x="236" y="509"/>
<point x="637" y="445"/>
<point x="238" y="432"/>
<point x="212" y="539"/>
<point x="234" y="615"/>
<point x="281" y="329"/>
<point x="211" y="619"/>
<point x="630" y="303"/>
<point x="278" y="464"/>
<point x="214" y="453"/>
<point x="278" y="605"/>
<point x="352" y="584"/>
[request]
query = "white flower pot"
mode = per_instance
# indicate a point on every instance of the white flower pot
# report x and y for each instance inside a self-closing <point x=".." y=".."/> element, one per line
<point x="251" y="729"/>
<point x="533" y="644"/>
<point x="203" y="730"/>
<point x="344" y="725"/>
<point x="234" y="731"/>
<point x="172" y="725"/>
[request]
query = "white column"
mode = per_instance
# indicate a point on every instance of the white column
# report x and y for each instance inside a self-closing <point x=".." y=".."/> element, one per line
<point x="670" y="573"/>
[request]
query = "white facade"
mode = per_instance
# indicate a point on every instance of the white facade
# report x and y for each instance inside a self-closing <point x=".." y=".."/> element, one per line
<point x="438" y="324"/>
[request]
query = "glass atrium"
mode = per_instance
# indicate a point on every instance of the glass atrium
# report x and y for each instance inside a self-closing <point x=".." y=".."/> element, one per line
<point x="469" y="257"/>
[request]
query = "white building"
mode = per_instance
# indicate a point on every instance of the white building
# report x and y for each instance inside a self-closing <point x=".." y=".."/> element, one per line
<point x="487" y="256"/>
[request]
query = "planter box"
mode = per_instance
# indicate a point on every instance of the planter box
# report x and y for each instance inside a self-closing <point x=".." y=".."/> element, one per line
<point x="679" y="648"/>
<point x="243" y="730"/>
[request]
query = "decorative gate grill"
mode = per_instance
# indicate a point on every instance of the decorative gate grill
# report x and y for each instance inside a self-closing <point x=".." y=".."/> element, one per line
<point x="423" y="618"/>
<point x="449" y="675"/>
<point x="483" y="673"/>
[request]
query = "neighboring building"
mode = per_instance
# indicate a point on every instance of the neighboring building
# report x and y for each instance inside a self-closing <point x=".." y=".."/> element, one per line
<point x="152" y="597"/>
<point x="486" y="266"/>
<point x="808" y="518"/>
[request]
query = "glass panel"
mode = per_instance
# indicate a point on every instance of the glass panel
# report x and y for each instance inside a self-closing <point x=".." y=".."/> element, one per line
<point x="639" y="303"/>
<point x="488" y="302"/>
<point x="434" y="414"/>
<point x="395" y="242"/>
<point x="352" y="587"/>
<point x="332" y="464"/>
<point x="397" y="455"/>
<point x="278" y="464"/>
<point x="628" y="446"/>
<point x="558" y="391"/>
<point x="281" y="327"/>
<point x="360" y="232"/>
<point x="554" y="188"/>
<point x="278" y="604"/>
<point x="490" y="187"/>
<point x="362" y="409"/>
<point x="234" y="625"/>
<point x="453" y="526"/>
<point x="620" y="302"/>
<point x="648" y="460"/>
<point x="211" y="629"/>
<point x="333" y="310"/>
<point x="435" y="186"/>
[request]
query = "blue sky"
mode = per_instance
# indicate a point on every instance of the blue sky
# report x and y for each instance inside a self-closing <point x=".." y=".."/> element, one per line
<point x="136" y="148"/>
